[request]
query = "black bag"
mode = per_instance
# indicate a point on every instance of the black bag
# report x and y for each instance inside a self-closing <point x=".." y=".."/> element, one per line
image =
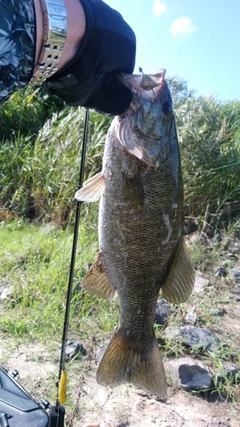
<point x="17" y="408"/>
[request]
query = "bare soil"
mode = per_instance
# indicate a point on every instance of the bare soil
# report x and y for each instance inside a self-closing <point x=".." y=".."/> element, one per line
<point x="90" y="404"/>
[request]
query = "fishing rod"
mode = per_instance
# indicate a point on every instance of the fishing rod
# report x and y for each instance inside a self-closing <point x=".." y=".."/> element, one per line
<point x="58" y="410"/>
<point x="17" y="407"/>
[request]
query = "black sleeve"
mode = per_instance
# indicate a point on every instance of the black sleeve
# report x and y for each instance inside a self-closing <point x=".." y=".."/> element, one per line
<point x="108" y="48"/>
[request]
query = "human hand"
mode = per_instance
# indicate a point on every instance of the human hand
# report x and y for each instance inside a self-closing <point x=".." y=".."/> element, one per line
<point x="91" y="79"/>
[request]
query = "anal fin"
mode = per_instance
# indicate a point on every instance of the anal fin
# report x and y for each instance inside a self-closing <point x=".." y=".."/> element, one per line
<point x="129" y="361"/>
<point x="180" y="279"/>
<point x="96" y="280"/>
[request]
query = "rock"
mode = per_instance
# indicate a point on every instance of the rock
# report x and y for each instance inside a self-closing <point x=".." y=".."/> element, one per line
<point x="231" y="256"/>
<point x="191" y="316"/>
<point x="189" y="374"/>
<point x="6" y="292"/>
<point x="192" y="336"/>
<point x="186" y="229"/>
<point x="235" y="274"/>
<point x="218" y="237"/>
<point x="236" y="289"/>
<point x="162" y="312"/>
<point x="234" y="247"/>
<point x="200" y="284"/>
<point x="74" y="349"/>
<point x="218" y="312"/>
<point x="221" y="271"/>
<point x="228" y="370"/>
<point x="198" y="238"/>
<point x="209" y="231"/>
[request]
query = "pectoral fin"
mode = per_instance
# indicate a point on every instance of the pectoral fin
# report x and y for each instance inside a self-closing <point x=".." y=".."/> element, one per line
<point x="180" y="280"/>
<point x="96" y="281"/>
<point x="92" y="189"/>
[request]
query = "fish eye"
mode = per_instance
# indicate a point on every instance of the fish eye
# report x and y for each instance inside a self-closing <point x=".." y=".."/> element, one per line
<point x="166" y="108"/>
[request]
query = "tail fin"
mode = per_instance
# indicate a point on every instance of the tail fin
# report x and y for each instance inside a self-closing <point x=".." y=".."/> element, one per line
<point x="127" y="361"/>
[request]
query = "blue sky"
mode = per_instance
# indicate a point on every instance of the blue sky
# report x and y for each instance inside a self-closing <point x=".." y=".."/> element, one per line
<point x="197" y="40"/>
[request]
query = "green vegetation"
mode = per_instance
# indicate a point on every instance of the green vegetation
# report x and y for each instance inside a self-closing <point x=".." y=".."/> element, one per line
<point x="40" y="155"/>
<point x="35" y="261"/>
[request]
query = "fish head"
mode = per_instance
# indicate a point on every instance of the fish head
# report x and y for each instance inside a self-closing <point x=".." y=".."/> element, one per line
<point x="147" y="129"/>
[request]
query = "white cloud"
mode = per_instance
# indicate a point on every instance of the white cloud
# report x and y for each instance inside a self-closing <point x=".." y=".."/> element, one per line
<point x="159" y="7"/>
<point x="182" y="26"/>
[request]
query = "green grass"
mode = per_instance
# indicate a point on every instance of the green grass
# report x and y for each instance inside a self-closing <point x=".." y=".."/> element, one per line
<point x="35" y="261"/>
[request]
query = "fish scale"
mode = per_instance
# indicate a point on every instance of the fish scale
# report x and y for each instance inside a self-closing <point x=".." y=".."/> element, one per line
<point x="141" y="242"/>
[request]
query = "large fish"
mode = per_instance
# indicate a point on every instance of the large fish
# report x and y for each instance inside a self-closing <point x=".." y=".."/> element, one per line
<point x="141" y="240"/>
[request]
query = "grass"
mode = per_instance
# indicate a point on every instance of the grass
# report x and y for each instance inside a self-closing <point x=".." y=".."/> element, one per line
<point x="41" y="146"/>
<point x="35" y="262"/>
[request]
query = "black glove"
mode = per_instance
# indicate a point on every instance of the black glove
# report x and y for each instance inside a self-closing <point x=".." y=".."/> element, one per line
<point x="91" y="79"/>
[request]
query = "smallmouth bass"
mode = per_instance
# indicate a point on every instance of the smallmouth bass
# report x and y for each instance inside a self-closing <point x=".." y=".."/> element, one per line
<point x="141" y="242"/>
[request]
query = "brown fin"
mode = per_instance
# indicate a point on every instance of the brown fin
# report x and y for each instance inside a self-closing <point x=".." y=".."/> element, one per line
<point x="128" y="361"/>
<point x="92" y="189"/>
<point x="180" y="280"/>
<point x="96" y="281"/>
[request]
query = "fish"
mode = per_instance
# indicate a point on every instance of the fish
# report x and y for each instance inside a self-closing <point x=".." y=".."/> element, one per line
<point x="141" y="239"/>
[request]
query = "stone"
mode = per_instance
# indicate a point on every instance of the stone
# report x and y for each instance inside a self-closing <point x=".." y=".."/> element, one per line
<point x="235" y="274"/>
<point x="198" y="238"/>
<point x="218" y="237"/>
<point x="191" y="316"/>
<point x="189" y="374"/>
<point x="192" y="336"/>
<point x="228" y="370"/>
<point x="74" y="349"/>
<point x="6" y="292"/>
<point x="234" y="247"/>
<point x="236" y="289"/>
<point x="162" y="312"/>
<point x="218" y="312"/>
<point x="209" y="231"/>
<point x="221" y="271"/>
<point x="200" y="284"/>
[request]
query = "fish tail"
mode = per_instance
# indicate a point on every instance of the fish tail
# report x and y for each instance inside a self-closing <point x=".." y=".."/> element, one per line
<point x="128" y="361"/>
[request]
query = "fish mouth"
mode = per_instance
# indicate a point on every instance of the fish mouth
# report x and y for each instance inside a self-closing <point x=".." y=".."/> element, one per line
<point x="146" y="128"/>
<point x="144" y="81"/>
<point x="151" y="88"/>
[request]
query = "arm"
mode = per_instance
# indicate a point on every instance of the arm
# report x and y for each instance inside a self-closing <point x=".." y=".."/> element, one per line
<point x="106" y="49"/>
<point x="98" y="45"/>
<point x="76" y="27"/>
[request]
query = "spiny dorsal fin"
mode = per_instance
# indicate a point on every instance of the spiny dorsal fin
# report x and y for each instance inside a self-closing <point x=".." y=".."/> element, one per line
<point x="180" y="279"/>
<point x="92" y="189"/>
<point x="96" y="280"/>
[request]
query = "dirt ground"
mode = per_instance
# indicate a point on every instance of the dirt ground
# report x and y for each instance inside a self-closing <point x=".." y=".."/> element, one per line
<point x="124" y="406"/>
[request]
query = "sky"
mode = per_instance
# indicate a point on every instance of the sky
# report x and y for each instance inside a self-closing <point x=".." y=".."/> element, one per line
<point x="196" y="40"/>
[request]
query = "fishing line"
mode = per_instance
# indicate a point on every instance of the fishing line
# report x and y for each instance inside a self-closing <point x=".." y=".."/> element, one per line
<point x="214" y="169"/>
<point x="61" y="393"/>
